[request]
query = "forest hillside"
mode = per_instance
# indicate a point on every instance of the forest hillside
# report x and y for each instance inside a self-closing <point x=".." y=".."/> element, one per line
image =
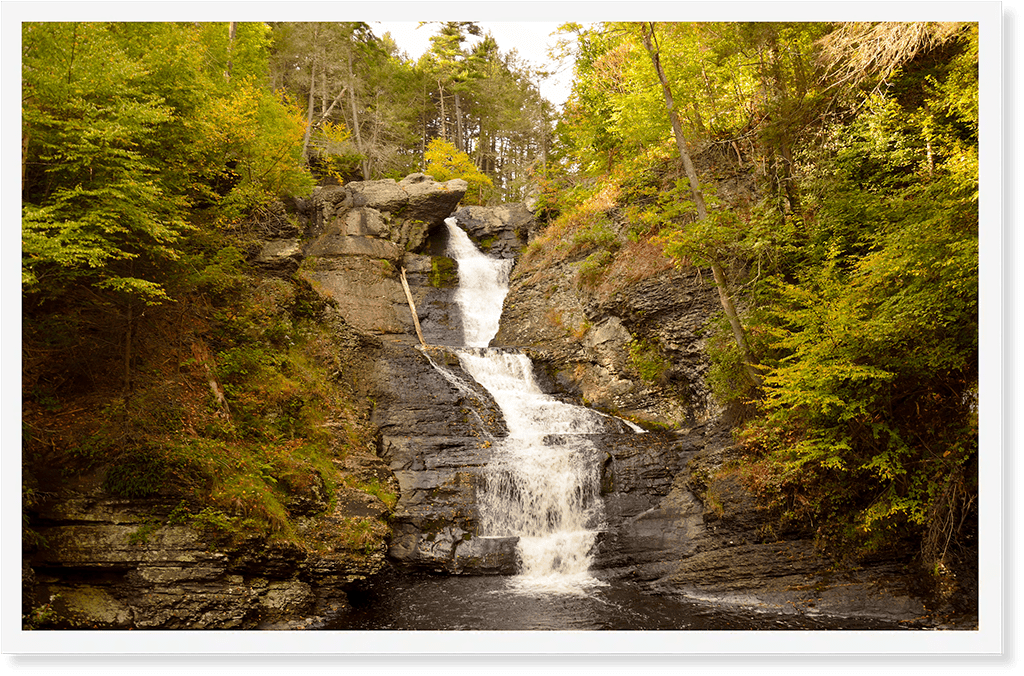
<point x="822" y="177"/>
<point x="847" y="278"/>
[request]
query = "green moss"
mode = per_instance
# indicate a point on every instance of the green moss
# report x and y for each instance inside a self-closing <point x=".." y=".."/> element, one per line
<point x="647" y="359"/>
<point x="142" y="535"/>
<point x="594" y="267"/>
<point x="444" y="273"/>
<point x="141" y="475"/>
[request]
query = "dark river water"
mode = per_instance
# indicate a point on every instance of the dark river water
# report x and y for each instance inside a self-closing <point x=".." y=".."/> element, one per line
<point x="453" y="603"/>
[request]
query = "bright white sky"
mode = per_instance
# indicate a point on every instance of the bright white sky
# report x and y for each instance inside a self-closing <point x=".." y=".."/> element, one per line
<point x="531" y="40"/>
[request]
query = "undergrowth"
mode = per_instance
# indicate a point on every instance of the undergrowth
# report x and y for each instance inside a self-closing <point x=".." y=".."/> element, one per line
<point x="237" y="405"/>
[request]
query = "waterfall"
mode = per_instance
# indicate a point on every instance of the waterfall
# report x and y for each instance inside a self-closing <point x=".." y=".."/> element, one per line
<point x="483" y="284"/>
<point x="543" y="481"/>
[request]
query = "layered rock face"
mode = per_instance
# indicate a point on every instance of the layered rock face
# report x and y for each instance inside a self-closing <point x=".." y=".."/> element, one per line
<point x="673" y="521"/>
<point x="435" y="422"/>
<point x="362" y="234"/>
<point x="593" y="347"/>
<point x="118" y="563"/>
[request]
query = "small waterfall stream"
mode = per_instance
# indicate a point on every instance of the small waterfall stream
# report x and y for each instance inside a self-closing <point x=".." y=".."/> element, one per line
<point x="542" y="484"/>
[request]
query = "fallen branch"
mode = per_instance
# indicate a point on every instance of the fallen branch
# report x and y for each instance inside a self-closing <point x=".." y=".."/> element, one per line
<point x="412" y="308"/>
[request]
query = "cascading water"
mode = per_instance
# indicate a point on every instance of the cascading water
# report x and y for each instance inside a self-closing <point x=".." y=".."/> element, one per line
<point x="483" y="285"/>
<point x="542" y="487"/>
<point x="542" y="484"/>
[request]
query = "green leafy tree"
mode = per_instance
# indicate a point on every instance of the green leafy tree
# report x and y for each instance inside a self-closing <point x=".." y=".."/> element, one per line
<point x="95" y="205"/>
<point x="869" y="423"/>
<point x="128" y="128"/>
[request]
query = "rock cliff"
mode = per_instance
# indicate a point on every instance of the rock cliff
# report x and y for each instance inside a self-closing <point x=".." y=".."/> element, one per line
<point x="675" y="521"/>
<point x="99" y="560"/>
<point x="434" y="422"/>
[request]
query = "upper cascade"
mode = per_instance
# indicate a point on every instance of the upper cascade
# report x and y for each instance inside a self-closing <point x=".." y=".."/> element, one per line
<point x="483" y="285"/>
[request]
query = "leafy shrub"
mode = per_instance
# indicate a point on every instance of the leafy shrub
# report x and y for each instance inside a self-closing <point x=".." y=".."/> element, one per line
<point x="647" y="359"/>
<point x="594" y="267"/>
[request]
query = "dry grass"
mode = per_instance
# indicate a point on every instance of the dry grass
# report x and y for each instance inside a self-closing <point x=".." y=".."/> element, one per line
<point x="634" y="263"/>
<point x="862" y="49"/>
<point x="565" y="236"/>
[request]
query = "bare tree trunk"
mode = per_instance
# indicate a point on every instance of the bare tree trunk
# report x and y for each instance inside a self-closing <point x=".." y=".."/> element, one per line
<point x="412" y="309"/>
<point x="734" y="321"/>
<point x="649" y="39"/>
<point x="355" y="114"/>
<point x="25" y="154"/>
<point x="309" y="114"/>
<point x="792" y="195"/>
<point x="129" y="317"/>
<point x="458" y="124"/>
<point x="330" y="108"/>
<point x="323" y="92"/>
<point x="231" y="43"/>
<point x="677" y="128"/>
<point x="311" y="101"/>
<point x="444" y="130"/>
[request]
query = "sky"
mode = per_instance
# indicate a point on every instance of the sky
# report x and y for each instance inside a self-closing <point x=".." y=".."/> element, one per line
<point x="530" y="39"/>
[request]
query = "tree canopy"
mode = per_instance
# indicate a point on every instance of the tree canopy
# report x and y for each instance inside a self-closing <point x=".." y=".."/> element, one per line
<point x="853" y="265"/>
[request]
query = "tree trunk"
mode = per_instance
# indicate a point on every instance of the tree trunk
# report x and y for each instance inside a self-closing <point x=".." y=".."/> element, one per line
<point x="412" y="309"/>
<point x="355" y="115"/>
<point x="458" y="124"/>
<point x="25" y="154"/>
<point x="311" y="101"/>
<point x="309" y="115"/>
<point x="792" y="195"/>
<point x="734" y="321"/>
<point x="231" y="43"/>
<point x="647" y="30"/>
<point x="129" y="318"/>
<point x="649" y="40"/>
<point x="440" y="93"/>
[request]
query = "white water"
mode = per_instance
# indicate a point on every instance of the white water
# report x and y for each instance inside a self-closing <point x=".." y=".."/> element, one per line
<point x="542" y="483"/>
<point x="483" y="284"/>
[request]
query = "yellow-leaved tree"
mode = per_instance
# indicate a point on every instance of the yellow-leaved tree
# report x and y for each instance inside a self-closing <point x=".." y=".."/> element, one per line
<point x="444" y="162"/>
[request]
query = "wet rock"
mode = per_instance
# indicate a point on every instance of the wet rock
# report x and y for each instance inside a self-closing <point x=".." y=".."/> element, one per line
<point x="436" y="436"/>
<point x="787" y="577"/>
<point x="502" y="231"/>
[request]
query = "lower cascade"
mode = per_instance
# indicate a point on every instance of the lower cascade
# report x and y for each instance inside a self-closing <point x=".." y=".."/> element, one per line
<point x="543" y="482"/>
